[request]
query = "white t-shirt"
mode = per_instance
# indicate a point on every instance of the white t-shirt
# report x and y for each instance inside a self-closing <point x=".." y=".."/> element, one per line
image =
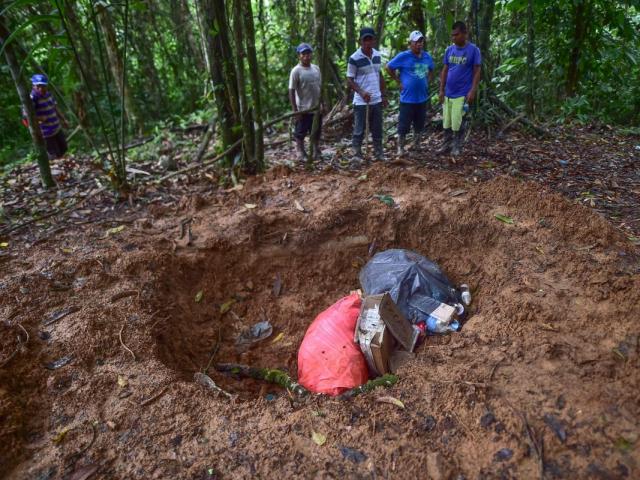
<point x="306" y="83"/>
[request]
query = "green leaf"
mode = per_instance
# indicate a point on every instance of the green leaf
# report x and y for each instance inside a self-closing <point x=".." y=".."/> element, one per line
<point x="226" y="306"/>
<point x="386" y="199"/>
<point x="32" y="21"/>
<point x="114" y="230"/>
<point x="199" y="296"/>
<point x="504" y="218"/>
<point x="318" y="438"/>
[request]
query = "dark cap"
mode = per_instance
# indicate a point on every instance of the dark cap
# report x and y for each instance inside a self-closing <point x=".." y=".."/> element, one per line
<point x="367" y="32"/>
<point x="303" y="47"/>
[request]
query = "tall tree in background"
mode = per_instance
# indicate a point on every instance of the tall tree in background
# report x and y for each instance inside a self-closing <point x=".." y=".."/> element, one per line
<point x="27" y="105"/>
<point x="117" y="66"/>
<point x="246" y="112"/>
<point x="320" y="36"/>
<point x="381" y="18"/>
<point x="580" y="15"/>
<point x="215" y="32"/>
<point x="254" y="75"/>
<point x="416" y="16"/>
<point x="531" y="67"/>
<point x="350" y="29"/>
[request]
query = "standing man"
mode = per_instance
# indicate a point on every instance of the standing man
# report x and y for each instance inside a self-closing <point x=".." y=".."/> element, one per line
<point x="458" y="85"/>
<point x="364" y="76"/>
<point x="49" y="117"/>
<point x="304" y="93"/>
<point x="415" y="67"/>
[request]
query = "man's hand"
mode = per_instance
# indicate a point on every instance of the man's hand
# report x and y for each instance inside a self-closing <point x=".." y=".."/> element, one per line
<point x="441" y="97"/>
<point x="471" y="96"/>
<point x="366" y="96"/>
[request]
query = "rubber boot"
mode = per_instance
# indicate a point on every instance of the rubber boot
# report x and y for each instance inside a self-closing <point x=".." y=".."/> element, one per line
<point x="455" y="145"/>
<point x="378" y="151"/>
<point x="417" y="139"/>
<point x="446" y="141"/>
<point x="300" y="153"/>
<point x="356" y="157"/>
<point x="401" y="141"/>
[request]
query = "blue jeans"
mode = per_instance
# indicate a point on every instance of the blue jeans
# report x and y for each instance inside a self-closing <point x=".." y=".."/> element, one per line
<point x="412" y="114"/>
<point x="375" y="123"/>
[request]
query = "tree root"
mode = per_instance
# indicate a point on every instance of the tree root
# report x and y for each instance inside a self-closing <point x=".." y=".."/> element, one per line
<point x="385" y="380"/>
<point x="271" y="375"/>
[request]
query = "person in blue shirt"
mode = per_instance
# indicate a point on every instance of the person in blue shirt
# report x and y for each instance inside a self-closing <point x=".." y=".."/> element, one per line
<point x="412" y="69"/>
<point x="458" y="85"/>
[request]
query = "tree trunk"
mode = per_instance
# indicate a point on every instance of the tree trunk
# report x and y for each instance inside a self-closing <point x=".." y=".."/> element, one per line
<point x="245" y="110"/>
<point x="320" y="27"/>
<point x="485" y="23"/>
<point x="115" y="63"/>
<point x="213" y="18"/>
<point x="254" y="75"/>
<point x="416" y="16"/>
<point x="531" y="68"/>
<point x="579" y="35"/>
<point x="350" y="28"/>
<point x="27" y="105"/>
<point x="381" y="18"/>
<point x="263" y="33"/>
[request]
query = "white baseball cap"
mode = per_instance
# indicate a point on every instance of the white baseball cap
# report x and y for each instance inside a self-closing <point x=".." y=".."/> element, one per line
<point x="415" y="36"/>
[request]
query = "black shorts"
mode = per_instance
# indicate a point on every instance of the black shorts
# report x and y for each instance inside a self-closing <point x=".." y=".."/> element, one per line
<point x="56" y="145"/>
<point x="304" y="125"/>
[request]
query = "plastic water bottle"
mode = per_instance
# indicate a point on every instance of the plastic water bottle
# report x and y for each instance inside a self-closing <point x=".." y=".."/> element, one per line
<point x="465" y="294"/>
<point x="438" y="325"/>
<point x="465" y="107"/>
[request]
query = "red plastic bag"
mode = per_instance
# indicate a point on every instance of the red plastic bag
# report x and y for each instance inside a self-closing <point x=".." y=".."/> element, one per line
<point x="328" y="360"/>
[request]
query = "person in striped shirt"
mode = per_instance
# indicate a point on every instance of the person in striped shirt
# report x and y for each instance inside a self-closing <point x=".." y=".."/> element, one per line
<point x="365" y="79"/>
<point x="49" y="117"/>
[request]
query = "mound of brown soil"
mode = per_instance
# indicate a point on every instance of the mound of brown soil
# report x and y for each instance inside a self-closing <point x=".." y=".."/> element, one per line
<point x="542" y="379"/>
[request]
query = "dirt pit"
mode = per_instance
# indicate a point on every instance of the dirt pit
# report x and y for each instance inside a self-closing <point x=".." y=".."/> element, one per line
<point x="542" y="379"/>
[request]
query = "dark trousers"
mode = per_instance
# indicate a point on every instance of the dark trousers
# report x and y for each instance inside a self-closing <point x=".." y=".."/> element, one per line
<point x="56" y="145"/>
<point x="305" y="124"/>
<point x="412" y="114"/>
<point x="375" y="122"/>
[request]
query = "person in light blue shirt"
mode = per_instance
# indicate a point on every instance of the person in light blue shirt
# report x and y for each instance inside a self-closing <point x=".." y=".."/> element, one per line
<point x="412" y="69"/>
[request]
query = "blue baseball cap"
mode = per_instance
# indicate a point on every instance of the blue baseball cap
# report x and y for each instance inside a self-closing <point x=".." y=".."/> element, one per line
<point x="303" y="47"/>
<point x="367" y="32"/>
<point x="39" y="79"/>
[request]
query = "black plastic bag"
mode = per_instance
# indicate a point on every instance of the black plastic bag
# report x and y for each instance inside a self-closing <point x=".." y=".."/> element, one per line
<point x="415" y="283"/>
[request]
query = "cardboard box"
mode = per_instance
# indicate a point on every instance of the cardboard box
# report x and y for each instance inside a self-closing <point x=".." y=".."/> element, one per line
<point x="380" y="329"/>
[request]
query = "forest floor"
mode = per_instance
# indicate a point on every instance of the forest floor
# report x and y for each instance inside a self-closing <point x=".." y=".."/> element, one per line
<point x="107" y="311"/>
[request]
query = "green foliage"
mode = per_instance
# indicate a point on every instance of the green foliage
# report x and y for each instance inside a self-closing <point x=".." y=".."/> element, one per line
<point x="168" y="76"/>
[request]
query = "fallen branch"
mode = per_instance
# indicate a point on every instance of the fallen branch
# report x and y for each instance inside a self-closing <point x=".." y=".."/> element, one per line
<point x="146" y="402"/>
<point x="133" y="355"/>
<point x="228" y="150"/>
<point x="508" y="125"/>
<point x="206" y="381"/>
<point x="271" y="375"/>
<point x="523" y="119"/>
<point x="124" y="294"/>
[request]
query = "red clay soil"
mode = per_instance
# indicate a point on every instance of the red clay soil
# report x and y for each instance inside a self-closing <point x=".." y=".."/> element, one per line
<point x="541" y="382"/>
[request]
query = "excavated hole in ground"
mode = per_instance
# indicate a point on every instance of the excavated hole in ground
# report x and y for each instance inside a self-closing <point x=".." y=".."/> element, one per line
<point x="311" y="278"/>
<point x="247" y="278"/>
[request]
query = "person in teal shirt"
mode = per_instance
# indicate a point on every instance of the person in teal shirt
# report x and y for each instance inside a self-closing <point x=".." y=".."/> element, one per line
<point x="412" y="69"/>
